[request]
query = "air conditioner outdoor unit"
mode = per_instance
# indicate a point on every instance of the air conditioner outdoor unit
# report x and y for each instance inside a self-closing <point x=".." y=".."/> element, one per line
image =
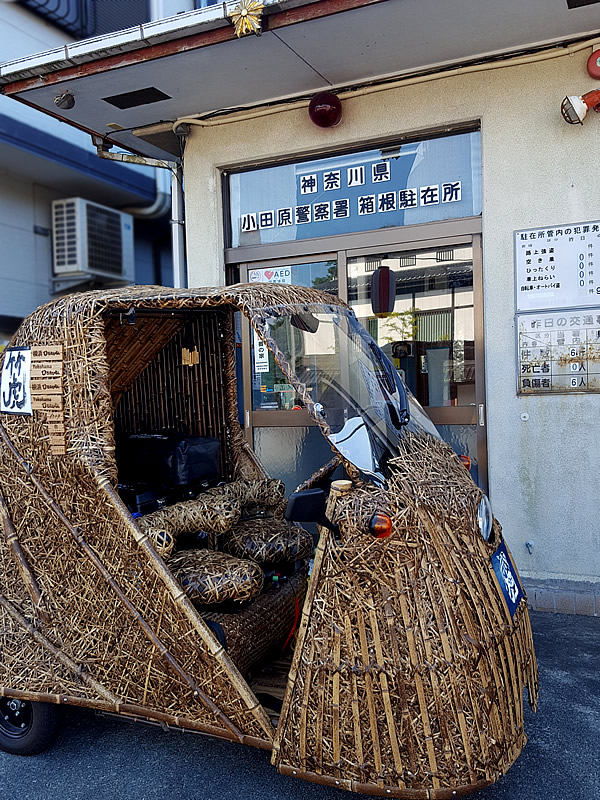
<point x="91" y="241"/>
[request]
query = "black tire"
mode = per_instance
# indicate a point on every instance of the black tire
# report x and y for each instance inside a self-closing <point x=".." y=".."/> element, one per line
<point x="26" y="728"/>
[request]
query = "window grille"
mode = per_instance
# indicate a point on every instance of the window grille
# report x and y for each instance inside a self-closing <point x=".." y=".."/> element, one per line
<point x="371" y="264"/>
<point x="447" y="254"/>
<point x="85" y="18"/>
<point x="434" y="326"/>
<point x="407" y="260"/>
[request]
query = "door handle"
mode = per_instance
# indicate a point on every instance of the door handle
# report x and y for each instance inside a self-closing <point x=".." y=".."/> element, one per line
<point x="481" y="414"/>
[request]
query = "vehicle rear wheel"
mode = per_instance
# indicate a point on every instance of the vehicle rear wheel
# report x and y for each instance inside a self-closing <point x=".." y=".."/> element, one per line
<point x="26" y="728"/>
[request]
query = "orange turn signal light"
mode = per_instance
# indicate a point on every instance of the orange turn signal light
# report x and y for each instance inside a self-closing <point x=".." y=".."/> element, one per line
<point x="466" y="461"/>
<point x="380" y="526"/>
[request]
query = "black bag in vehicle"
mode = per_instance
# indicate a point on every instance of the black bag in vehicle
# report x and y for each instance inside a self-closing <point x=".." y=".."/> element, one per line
<point x="172" y="459"/>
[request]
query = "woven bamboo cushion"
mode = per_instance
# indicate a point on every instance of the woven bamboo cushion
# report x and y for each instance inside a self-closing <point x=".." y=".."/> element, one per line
<point x="210" y="577"/>
<point x="268" y="541"/>
<point x="257" y="627"/>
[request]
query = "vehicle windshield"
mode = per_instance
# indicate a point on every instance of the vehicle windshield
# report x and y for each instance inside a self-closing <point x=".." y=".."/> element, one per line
<point x="344" y="380"/>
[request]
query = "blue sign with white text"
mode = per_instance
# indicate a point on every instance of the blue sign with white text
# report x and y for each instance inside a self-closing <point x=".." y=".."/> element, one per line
<point x="406" y="184"/>
<point x="507" y="578"/>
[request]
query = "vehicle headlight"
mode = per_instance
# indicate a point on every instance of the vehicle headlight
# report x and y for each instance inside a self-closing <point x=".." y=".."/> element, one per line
<point x="485" y="518"/>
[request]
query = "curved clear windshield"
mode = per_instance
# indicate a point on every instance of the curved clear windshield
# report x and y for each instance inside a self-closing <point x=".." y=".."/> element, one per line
<point x="344" y="380"/>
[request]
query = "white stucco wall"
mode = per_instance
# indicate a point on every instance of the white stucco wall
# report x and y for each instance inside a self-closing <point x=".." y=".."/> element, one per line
<point x="537" y="171"/>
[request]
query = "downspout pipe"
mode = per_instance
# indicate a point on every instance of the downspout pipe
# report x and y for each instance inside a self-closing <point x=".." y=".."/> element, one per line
<point x="177" y="227"/>
<point x="162" y="200"/>
<point x="176" y="197"/>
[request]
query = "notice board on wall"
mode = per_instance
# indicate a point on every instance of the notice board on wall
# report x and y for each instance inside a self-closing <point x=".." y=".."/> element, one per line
<point x="559" y="352"/>
<point x="557" y="267"/>
<point x="558" y="308"/>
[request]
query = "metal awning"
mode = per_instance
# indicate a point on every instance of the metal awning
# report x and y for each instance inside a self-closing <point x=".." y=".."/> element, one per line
<point x="193" y="64"/>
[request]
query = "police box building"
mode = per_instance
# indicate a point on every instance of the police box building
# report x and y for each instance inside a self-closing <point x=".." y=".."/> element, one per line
<point x="355" y="146"/>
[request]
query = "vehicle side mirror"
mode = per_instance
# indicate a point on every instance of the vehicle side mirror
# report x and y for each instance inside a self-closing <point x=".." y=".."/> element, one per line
<point x="309" y="506"/>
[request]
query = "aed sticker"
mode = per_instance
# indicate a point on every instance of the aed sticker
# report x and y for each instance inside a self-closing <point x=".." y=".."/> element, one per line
<point x="270" y="275"/>
<point x="15" y="383"/>
<point x="507" y="578"/>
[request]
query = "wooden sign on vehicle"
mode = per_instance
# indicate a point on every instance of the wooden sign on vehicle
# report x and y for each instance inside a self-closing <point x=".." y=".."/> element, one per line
<point x="46" y="392"/>
<point x="45" y="353"/>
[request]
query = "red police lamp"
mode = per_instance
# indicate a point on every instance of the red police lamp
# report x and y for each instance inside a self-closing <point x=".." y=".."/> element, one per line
<point x="593" y="65"/>
<point x="325" y="110"/>
<point x="383" y="291"/>
<point x="574" y="108"/>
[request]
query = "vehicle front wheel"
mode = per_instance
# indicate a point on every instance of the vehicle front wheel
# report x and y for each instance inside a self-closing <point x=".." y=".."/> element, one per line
<point x="26" y="728"/>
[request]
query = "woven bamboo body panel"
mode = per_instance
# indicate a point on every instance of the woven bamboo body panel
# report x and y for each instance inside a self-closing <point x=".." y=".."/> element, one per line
<point x="409" y="673"/>
<point x="112" y="627"/>
<point x="90" y="626"/>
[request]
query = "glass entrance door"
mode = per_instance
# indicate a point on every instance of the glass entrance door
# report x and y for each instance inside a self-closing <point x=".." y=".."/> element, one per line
<point x="277" y="426"/>
<point x="433" y="337"/>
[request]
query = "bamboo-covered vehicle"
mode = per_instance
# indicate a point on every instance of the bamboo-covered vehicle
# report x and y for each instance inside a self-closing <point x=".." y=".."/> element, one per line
<point x="412" y="640"/>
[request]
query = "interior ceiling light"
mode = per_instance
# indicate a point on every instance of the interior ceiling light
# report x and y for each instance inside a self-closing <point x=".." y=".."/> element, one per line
<point x="574" y="108"/>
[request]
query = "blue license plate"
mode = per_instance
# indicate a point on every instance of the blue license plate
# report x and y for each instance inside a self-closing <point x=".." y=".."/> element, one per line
<point x="507" y="578"/>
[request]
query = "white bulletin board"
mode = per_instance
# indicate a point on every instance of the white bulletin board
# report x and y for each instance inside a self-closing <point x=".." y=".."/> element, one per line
<point x="557" y="266"/>
<point x="558" y="352"/>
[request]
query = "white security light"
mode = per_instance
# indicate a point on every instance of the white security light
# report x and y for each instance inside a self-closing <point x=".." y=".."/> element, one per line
<point x="574" y="108"/>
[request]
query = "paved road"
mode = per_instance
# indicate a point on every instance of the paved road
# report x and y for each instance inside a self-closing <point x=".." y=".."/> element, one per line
<point x="102" y="759"/>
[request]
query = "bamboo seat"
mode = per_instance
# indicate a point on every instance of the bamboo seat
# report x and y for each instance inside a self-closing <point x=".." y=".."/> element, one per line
<point x="268" y="541"/>
<point x="267" y="622"/>
<point x="209" y="577"/>
<point x="218" y="512"/>
<point x="214" y="511"/>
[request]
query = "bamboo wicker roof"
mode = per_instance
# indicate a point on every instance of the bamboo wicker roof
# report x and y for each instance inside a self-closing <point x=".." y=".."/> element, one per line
<point x="247" y="297"/>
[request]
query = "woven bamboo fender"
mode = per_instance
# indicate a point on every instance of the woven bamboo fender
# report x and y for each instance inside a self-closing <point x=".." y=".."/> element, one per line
<point x="409" y="672"/>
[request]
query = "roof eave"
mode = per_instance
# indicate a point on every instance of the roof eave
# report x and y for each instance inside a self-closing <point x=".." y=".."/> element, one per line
<point x="156" y="40"/>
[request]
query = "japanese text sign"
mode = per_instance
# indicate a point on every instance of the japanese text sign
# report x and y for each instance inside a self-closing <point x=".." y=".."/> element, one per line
<point x="271" y="275"/>
<point x="556" y="266"/>
<point x="507" y="578"/>
<point x="411" y="183"/>
<point x="261" y="355"/>
<point x="15" y="383"/>
<point x="559" y="351"/>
